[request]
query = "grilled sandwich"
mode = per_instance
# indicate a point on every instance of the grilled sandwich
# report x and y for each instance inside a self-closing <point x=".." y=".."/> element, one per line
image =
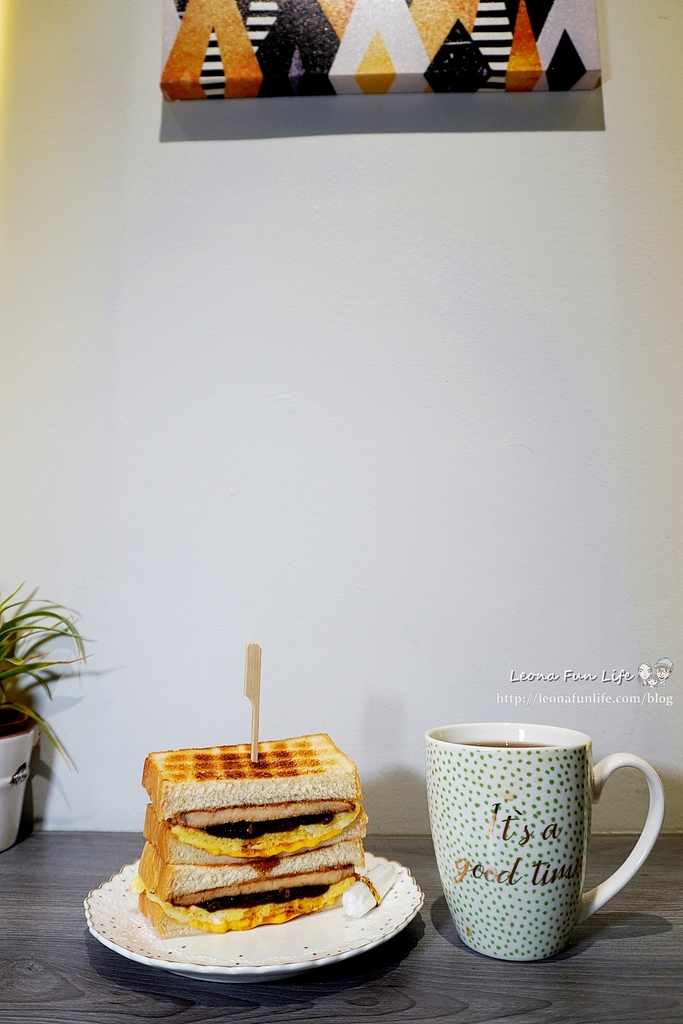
<point x="232" y="843"/>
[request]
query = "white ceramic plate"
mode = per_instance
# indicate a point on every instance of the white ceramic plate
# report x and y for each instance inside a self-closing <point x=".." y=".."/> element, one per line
<point x="262" y="954"/>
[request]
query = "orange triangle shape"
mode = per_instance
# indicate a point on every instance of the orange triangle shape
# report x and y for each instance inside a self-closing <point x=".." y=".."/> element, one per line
<point x="180" y="78"/>
<point x="524" y="67"/>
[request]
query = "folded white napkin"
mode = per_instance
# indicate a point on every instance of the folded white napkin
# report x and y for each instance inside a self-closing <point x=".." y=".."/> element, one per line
<point x="360" y="898"/>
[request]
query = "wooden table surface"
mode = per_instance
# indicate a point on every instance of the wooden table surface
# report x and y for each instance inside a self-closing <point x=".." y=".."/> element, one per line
<point x="624" y="965"/>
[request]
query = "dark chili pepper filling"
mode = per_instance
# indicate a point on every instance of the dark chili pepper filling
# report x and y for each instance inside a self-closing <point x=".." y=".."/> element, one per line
<point x="253" y="829"/>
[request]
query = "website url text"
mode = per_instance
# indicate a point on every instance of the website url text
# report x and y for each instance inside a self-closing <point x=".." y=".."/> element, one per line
<point x="531" y="699"/>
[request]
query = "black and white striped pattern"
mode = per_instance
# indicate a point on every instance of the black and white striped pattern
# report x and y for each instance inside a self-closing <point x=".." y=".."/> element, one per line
<point x="261" y="18"/>
<point x="212" y="78"/>
<point x="492" y="33"/>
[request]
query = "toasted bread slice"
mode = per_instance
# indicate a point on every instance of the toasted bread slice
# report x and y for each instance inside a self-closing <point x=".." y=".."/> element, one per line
<point x="173" y="922"/>
<point x="174" y="882"/>
<point x="302" y="768"/>
<point x="171" y="841"/>
<point x="166" y="926"/>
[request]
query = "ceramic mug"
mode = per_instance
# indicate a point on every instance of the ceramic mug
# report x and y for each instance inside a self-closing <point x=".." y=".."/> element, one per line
<point x="510" y="814"/>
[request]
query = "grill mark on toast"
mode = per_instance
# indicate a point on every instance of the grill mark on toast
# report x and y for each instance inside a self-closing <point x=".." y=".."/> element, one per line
<point x="282" y="762"/>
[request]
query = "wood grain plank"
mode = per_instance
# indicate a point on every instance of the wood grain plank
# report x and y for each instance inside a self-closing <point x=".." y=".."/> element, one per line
<point x="623" y="965"/>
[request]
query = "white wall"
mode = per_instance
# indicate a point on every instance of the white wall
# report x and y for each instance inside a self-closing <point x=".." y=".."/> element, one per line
<point x="403" y="408"/>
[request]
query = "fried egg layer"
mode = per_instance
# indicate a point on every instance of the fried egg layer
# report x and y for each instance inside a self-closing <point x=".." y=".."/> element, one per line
<point x="273" y="844"/>
<point x="242" y="919"/>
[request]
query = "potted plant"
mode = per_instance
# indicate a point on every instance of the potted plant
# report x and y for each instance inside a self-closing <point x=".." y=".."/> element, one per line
<point x="33" y="635"/>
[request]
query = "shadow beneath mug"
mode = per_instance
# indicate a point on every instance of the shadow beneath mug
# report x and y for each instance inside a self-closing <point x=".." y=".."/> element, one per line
<point x="612" y="927"/>
<point x="443" y="923"/>
<point x="603" y="927"/>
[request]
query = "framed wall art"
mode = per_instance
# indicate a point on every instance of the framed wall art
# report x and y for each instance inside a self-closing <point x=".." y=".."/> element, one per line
<point x="216" y="49"/>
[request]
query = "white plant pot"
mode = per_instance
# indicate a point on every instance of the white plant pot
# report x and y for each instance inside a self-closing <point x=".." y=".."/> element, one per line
<point x="15" y="758"/>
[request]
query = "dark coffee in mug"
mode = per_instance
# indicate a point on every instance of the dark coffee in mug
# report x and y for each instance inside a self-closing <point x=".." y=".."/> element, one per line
<point x="505" y="744"/>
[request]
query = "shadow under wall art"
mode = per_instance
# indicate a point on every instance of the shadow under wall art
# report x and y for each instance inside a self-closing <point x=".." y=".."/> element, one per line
<point x="215" y="49"/>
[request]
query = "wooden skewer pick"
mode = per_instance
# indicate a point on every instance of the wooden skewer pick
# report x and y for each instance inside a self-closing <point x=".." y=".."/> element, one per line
<point x="252" y="690"/>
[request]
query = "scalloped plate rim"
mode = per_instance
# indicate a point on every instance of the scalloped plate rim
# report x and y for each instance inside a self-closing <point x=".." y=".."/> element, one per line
<point x="413" y="898"/>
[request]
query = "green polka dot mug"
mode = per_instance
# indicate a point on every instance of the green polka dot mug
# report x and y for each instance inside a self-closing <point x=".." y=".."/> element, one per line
<point x="510" y="814"/>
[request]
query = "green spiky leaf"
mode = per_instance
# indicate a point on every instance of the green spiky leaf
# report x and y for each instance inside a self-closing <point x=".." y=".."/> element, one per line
<point x="29" y="631"/>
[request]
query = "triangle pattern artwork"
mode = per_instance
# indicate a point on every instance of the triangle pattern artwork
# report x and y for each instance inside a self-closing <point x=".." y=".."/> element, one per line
<point x="217" y="49"/>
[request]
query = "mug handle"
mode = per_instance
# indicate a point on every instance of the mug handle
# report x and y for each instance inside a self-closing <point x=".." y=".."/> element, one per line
<point x="596" y="898"/>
